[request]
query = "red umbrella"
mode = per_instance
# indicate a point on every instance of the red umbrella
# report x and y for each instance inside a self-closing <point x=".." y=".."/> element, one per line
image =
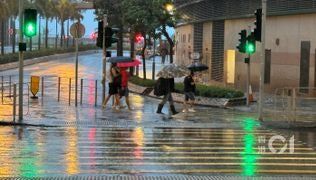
<point x="133" y="63"/>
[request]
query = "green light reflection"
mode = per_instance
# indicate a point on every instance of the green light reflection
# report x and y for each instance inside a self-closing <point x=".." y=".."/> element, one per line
<point x="249" y="154"/>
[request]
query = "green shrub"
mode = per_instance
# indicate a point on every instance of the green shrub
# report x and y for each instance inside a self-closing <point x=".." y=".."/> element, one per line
<point x="201" y="90"/>
<point x="14" y="57"/>
<point x="142" y="82"/>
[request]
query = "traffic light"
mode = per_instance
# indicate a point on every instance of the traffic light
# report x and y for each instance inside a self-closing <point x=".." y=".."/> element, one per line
<point x="100" y="34"/>
<point x="251" y="44"/>
<point x="258" y="24"/>
<point x="138" y="37"/>
<point x="30" y="21"/>
<point x="242" y="41"/>
<point x="110" y="36"/>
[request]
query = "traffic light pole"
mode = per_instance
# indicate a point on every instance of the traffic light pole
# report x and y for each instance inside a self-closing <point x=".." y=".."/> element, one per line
<point x="21" y="61"/>
<point x="105" y="22"/>
<point x="263" y="39"/>
<point x="248" y="79"/>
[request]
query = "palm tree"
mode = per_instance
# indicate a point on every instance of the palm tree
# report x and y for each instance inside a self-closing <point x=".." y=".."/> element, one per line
<point x="46" y="10"/>
<point x="3" y="18"/>
<point x="12" y="7"/>
<point x="65" y="10"/>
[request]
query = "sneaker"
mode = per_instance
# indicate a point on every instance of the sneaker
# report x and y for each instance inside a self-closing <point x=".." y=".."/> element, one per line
<point x="117" y="108"/>
<point x="191" y="110"/>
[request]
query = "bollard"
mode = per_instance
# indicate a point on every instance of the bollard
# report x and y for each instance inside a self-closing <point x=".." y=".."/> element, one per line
<point x="96" y="93"/>
<point x="81" y="89"/>
<point x="69" y="91"/>
<point x="42" y="86"/>
<point x="9" y="86"/>
<point x="58" y="90"/>
<point x="2" y="89"/>
<point x="14" y="102"/>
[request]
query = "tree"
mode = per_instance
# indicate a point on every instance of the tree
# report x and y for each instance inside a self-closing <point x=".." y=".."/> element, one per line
<point x="140" y="20"/>
<point x="166" y="18"/>
<point x="64" y="11"/>
<point x="3" y="17"/>
<point x="45" y="9"/>
<point x="12" y="13"/>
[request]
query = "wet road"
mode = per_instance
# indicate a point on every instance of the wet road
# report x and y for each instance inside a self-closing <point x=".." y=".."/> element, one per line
<point x="90" y="141"/>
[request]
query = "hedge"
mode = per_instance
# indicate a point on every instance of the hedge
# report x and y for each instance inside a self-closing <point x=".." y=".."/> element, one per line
<point x="201" y="90"/>
<point x="14" y="57"/>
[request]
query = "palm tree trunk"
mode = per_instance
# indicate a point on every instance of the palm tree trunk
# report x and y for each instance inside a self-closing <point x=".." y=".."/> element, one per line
<point x="67" y="40"/>
<point x="2" y="37"/>
<point x="62" y="34"/>
<point x="56" y="39"/>
<point x="13" y="34"/>
<point x="46" y="33"/>
<point x="39" y="33"/>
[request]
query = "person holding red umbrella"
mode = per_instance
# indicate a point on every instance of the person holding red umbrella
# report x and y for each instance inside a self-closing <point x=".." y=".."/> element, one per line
<point x="124" y="91"/>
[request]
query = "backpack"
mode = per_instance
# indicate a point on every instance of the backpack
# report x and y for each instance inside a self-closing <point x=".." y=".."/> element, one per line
<point x="158" y="89"/>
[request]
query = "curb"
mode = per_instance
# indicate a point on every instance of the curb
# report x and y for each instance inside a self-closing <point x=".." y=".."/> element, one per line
<point x="200" y="101"/>
<point x="27" y="62"/>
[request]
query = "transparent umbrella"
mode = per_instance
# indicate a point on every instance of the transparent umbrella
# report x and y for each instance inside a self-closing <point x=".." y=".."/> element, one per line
<point x="173" y="71"/>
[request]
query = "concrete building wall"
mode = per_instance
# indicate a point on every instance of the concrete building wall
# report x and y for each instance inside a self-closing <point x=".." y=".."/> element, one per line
<point x="207" y="49"/>
<point x="284" y="35"/>
<point x="184" y="44"/>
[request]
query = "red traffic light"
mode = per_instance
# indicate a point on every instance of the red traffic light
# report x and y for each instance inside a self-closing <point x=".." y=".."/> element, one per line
<point x="139" y="38"/>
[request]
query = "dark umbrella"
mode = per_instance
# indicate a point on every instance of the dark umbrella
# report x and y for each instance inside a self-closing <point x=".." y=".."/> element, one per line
<point x="119" y="59"/>
<point x="197" y="66"/>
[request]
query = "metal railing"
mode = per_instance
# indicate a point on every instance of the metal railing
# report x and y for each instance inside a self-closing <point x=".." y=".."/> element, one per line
<point x="295" y="104"/>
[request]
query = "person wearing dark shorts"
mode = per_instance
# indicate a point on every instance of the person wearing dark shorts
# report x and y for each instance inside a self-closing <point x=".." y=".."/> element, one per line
<point x="189" y="91"/>
<point x="114" y="86"/>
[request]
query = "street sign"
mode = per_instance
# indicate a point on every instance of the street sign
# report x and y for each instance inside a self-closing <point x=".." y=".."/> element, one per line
<point x="77" y="30"/>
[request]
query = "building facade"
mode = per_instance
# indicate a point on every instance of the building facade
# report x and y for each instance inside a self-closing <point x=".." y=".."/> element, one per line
<point x="211" y="28"/>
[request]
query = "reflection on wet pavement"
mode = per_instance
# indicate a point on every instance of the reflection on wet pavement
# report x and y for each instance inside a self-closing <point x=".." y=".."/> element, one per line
<point x="33" y="152"/>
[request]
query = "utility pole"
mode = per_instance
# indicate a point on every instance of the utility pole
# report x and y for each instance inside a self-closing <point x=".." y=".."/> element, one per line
<point x="105" y="22"/>
<point x="21" y="61"/>
<point x="263" y="53"/>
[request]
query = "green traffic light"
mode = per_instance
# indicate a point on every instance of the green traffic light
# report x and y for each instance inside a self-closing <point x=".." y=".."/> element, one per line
<point x="30" y="30"/>
<point x="30" y="21"/>
<point x="250" y="48"/>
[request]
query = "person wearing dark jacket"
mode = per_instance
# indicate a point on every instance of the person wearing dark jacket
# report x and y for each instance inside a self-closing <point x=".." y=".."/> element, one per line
<point x="189" y="90"/>
<point x="168" y="85"/>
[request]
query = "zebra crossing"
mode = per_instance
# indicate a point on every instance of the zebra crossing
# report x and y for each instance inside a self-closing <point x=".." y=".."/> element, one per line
<point x="95" y="151"/>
